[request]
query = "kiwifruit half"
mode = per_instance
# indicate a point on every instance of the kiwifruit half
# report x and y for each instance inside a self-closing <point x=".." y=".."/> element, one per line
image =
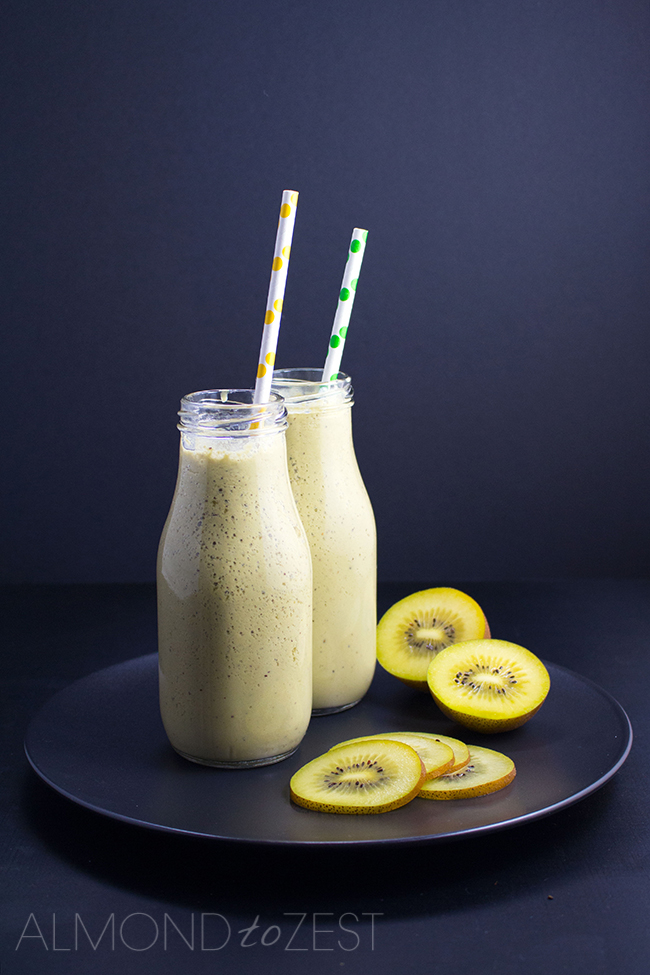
<point x="363" y="777"/>
<point x="488" y="685"/>
<point x="437" y="756"/>
<point x="415" y="629"/>
<point x="487" y="771"/>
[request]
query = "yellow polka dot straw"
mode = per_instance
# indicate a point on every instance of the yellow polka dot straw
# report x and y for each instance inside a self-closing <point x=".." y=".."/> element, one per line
<point x="275" y="297"/>
<point x="346" y="300"/>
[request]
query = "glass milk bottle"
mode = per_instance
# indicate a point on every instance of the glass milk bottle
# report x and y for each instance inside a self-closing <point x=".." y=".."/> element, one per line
<point x="234" y="588"/>
<point x="337" y="515"/>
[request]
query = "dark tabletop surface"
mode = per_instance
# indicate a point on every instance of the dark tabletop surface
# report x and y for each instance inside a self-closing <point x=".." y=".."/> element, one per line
<point x="82" y="893"/>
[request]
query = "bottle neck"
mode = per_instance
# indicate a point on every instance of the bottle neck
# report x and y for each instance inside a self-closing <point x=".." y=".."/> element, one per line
<point x="230" y="413"/>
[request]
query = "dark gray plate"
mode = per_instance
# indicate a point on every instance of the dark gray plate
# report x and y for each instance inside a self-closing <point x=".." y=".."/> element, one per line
<point x="101" y="743"/>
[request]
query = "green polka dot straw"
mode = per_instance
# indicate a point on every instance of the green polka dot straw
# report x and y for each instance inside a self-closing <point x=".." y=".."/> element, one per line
<point x="275" y="297"/>
<point x="346" y="300"/>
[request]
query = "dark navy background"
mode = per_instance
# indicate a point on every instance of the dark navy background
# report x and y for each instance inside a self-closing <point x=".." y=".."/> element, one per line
<point x="497" y="152"/>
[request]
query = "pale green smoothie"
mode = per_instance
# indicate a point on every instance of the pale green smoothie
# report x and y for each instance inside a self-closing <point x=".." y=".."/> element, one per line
<point x="337" y="515"/>
<point x="234" y="604"/>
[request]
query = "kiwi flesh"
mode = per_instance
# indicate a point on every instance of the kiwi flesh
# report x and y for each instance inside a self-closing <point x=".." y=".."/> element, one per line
<point x="437" y="755"/>
<point x="415" y="629"/>
<point x="488" y="685"/>
<point x="487" y="771"/>
<point x="372" y="776"/>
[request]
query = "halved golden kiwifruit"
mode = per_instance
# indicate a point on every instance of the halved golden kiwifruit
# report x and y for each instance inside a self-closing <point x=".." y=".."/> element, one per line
<point x="363" y="777"/>
<point x="415" y="629"/>
<point x="488" y="685"/>
<point x="487" y="771"/>
<point x="437" y="756"/>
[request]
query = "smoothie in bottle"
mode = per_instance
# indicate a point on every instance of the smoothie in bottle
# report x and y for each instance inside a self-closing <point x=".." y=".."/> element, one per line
<point x="337" y="515"/>
<point x="234" y="586"/>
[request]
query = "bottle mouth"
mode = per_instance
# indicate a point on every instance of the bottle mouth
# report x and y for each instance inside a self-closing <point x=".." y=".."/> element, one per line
<point x="306" y="386"/>
<point x="231" y="413"/>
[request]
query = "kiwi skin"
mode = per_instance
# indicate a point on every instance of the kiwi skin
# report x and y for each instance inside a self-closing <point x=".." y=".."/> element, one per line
<point x="487" y="726"/>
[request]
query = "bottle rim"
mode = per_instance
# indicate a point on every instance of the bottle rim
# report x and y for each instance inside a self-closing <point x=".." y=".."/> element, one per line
<point x="305" y="386"/>
<point x="231" y="412"/>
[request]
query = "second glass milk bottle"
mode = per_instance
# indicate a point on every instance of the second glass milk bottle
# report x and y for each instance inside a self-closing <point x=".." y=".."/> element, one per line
<point x="337" y="515"/>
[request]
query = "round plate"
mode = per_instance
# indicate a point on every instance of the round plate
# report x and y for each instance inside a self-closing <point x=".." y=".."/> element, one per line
<point x="101" y="743"/>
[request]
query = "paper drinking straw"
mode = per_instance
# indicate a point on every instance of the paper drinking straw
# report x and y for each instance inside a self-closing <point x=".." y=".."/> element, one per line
<point x="346" y="300"/>
<point x="275" y="297"/>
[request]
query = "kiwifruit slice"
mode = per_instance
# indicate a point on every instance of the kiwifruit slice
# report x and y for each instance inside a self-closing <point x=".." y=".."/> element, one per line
<point x="437" y="756"/>
<point x="363" y="777"/>
<point x="415" y="629"/>
<point x="487" y="771"/>
<point x="459" y="748"/>
<point x="488" y="685"/>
